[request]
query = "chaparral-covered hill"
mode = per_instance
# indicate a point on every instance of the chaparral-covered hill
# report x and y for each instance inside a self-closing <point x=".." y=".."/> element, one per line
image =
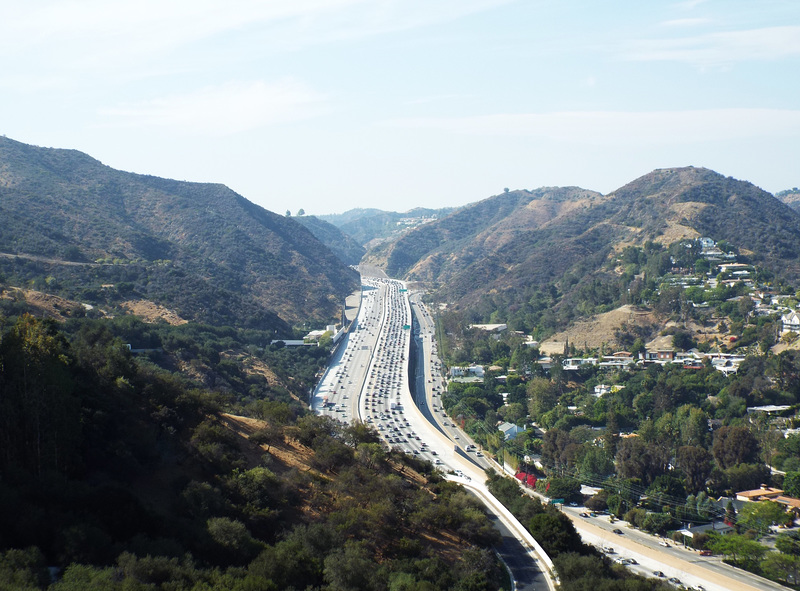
<point x="101" y="236"/>
<point x="548" y="256"/>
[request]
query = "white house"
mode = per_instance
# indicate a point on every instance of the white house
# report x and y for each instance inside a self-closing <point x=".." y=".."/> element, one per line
<point x="509" y="430"/>
<point x="790" y="322"/>
<point x="475" y="370"/>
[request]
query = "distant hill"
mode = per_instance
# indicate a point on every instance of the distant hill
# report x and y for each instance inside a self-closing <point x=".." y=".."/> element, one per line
<point x="201" y="250"/>
<point x="790" y="197"/>
<point x="346" y="248"/>
<point x="550" y="249"/>
<point x="372" y="226"/>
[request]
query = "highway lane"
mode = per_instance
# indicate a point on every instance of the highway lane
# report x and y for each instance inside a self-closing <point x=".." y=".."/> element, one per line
<point x="367" y="379"/>
<point x="430" y="383"/>
<point x="673" y="559"/>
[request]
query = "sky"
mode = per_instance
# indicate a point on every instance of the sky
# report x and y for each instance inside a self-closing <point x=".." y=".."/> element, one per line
<point x="329" y="105"/>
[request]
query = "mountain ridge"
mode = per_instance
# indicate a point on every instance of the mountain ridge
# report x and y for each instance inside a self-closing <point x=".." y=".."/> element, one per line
<point x="164" y="235"/>
<point x="496" y="253"/>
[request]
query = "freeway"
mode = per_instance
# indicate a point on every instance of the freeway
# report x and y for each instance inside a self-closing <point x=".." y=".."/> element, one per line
<point x="654" y="555"/>
<point x="367" y="380"/>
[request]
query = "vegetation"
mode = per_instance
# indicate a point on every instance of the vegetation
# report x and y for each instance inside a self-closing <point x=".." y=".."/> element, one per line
<point x="99" y="236"/>
<point x="125" y="476"/>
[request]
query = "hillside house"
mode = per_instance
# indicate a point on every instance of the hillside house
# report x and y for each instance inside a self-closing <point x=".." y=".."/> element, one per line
<point x="490" y="327"/>
<point x="467" y="370"/>
<point x="509" y="430"/>
<point x="790" y="322"/>
<point x="574" y="363"/>
<point x="765" y="493"/>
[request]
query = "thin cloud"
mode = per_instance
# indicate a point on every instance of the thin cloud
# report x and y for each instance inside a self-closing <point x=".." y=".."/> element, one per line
<point x="153" y="25"/>
<point x="690" y="4"/>
<point x="719" y="49"/>
<point x="223" y="110"/>
<point x="686" y="22"/>
<point x="613" y="128"/>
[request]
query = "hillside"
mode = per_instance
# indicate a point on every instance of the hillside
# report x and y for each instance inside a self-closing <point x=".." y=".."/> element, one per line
<point x="342" y="245"/>
<point x="547" y="256"/>
<point x="135" y="480"/>
<point x="790" y="197"/>
<point x="101" y="235"/>
<point x="373" y="226"/>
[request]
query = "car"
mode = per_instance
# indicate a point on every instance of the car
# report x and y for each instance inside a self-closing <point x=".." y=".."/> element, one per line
<point x="619" y="532"/>
<point x="658" y="573"/>
<point x="584" y="515"/>
<point x="479" y="454"/>
<point x="573" y="504"/>
<point x="663" y="543"/>
<point x="675" y="581"/>
<point x="608" y="550"/>
<point x="706" y="553"/>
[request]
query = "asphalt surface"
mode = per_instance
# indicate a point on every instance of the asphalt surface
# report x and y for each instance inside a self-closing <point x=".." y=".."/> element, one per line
<point x="367" y="379"/>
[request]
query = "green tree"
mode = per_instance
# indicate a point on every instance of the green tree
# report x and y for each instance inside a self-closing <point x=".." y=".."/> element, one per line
<point x="350" y="568"/>
<point x="23" y="569"/>
<point x="639" y="459"/>
<point x="741" y="550"/>
<point x="734" y="445"/>
<point x="595" y="463"/>
<point x="759" y="516"/>
<point x="695" y="463"/>
<point x="791" y="484"/>
<point x="542" y="396"/>
<point x="555" y="532"/>
<point x="747" y="476"/>
<point x="789" y="543"/>
<point x="40" y="424"/>
<point x="781" y="567"/>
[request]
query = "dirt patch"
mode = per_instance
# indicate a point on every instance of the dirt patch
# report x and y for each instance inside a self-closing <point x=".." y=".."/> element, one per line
<point x="150" y="312"/>
<point x="45" y="305"/>
<point x="289" y="453"/>
<point x="253" y="366"/>
<point x="601" y="329"/>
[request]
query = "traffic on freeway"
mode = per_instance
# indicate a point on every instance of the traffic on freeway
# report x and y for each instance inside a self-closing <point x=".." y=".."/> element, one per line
<point x="367" y="379"/>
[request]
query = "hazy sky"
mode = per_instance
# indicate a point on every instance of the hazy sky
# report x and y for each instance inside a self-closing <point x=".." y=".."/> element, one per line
<point x="328" y="105"/>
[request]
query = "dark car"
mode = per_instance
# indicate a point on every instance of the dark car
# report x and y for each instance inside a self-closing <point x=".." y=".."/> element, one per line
<point x="658" y="573"/>
<point x="618" y="532"/>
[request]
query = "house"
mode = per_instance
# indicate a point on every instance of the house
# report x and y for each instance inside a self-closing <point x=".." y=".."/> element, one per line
<point x="716" y="527"/>
<point x="706" y="243"/>
<point x="601" y="390"/>
<point x="474" y="370"/>
<point x="509" y="430"/>
<point x="574" y="363"/>
<point x="790" y="322"/>
<point x="490" y="327"/>
<point x="769" y="408"/>
<point x="765" y="493"/>
<point x="792" y="505"/>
